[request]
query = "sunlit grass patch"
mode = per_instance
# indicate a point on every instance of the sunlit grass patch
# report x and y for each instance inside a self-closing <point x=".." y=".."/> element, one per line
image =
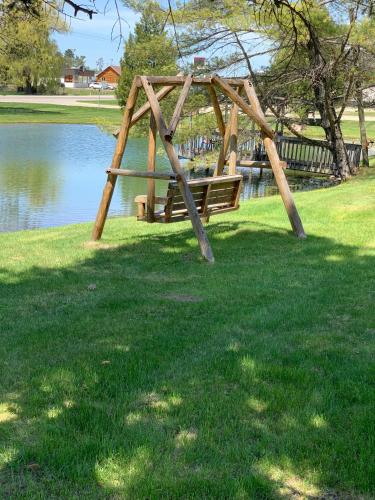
<point x="131" y="369"/>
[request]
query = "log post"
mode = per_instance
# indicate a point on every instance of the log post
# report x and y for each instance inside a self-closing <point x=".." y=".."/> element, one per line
<point x="248" y="110"/>
<point x="116" y="161"/>
<point x="217" y="110"/>
<point x="151" y="168"/>
<point x="182" y="183"/>
<point x="233" y="141"/>
<point x="277" y="169"/>
<point x="178" y="110"/>
<point x="224" y="147"/>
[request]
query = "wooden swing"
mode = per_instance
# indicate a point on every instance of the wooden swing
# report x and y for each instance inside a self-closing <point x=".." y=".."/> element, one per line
<point x="196" y="199"/>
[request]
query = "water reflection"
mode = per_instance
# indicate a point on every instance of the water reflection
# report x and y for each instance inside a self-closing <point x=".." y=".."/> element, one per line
<point x="25" y="190"/>
<point x="52" y="175"/>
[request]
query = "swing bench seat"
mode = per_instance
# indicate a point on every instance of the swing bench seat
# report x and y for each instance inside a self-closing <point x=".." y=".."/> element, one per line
<point x="212" y="195"/>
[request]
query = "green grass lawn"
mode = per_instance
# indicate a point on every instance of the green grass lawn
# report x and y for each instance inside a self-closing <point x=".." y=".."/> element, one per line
<point x="49" y="113"/>
<point x="132" y="369"/>
<point x="350" y="130"/>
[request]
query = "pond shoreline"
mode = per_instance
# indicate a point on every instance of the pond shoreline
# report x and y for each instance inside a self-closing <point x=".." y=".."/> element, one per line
<point x="61" y="174"/>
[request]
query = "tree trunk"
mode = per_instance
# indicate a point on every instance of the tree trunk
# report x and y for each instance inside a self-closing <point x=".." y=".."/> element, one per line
<point x="362" y="125"/>
<point x="332" y="128"/>
<point x="323" y="84"/>
<point x="28" y="85"/>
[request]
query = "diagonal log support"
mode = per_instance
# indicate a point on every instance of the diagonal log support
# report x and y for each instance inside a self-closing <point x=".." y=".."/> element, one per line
<point x="277" y="169"/>
<point x="116" y="162"/>
<point x="255" y="113"/>
<point x="199" y="230"/>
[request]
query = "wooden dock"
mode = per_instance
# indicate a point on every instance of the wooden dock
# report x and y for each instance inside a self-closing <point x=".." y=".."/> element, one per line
<point x="297" y="154"/>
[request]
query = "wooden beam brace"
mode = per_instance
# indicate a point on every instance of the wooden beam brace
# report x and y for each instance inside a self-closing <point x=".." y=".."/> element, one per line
<point x="224" y="147"/>
<point x="116" y="162"/>
<point x="163" y="92"/>
<point x="250" y="111"/>
<point x="217" y="110"/>
<point x="178" y="110"/>
<point x="280" y="178"/>
<point x="145" y="175"/>
<point x="197" y="80"/>
<point x="222" y="179"/>
<point x="182" y="183"/>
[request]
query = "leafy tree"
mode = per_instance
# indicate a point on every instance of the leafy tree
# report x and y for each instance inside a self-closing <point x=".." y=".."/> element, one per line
<point x="99" y="64"/>
<point x="73" y="61"/>
<point x="29" y="57"/>
<point x="150" y="50"/>
<point x="316" y="48"/>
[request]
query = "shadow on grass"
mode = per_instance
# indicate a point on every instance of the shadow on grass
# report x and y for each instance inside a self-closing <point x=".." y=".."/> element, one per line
<point x="169" y="378"/>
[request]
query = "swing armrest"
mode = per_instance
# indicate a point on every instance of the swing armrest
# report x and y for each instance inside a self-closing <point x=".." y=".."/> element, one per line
<point x="141" y="201"/>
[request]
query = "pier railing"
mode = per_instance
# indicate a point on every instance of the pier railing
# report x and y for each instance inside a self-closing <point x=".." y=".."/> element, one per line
<point x="298" y="154"/>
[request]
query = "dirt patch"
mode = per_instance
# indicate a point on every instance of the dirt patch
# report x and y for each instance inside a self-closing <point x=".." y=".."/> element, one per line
<point x="99" y="245"/>
<point x="183" y="298"/>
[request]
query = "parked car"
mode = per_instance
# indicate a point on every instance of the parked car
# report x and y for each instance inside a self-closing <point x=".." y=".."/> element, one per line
<point x="101" y="86"/>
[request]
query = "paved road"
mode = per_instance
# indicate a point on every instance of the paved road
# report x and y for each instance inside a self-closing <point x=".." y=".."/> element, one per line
<point x="65" y="100"/>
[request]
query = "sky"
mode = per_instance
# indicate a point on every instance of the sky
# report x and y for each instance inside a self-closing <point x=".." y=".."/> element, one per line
<point x="92" y="38"/>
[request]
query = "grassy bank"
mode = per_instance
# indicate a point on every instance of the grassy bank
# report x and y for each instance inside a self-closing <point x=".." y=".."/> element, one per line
<point x="49" y="113"/>
<point x="131" y="369"/>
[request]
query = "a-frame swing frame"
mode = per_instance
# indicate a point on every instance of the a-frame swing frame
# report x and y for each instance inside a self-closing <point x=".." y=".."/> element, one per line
<point x="230" y="87"/>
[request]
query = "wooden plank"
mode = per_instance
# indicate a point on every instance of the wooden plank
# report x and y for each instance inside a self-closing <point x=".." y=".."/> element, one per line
<point x="224" y="179"/>
<point x="251" y="111"/>
<point x="178" y="110"/>
<point x="199" y="230"/>
<point x="197" y="80"/>
<point x="198" y="197"/>
<point x="217" y="110"/>
<point x="150" y="213"/>
<point x="116" y="162"/>
<point x="146" y="175"/>
<point x="280" y="178"/>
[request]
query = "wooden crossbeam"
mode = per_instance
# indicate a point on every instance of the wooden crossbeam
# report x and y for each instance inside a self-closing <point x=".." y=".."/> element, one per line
<point x="249" y="110"/>
<point x="182" y="183"/>
<point x="178" y="110"/>
<point x="144" y="175"/>
<point x="197" y="80"/>
<point x="146" y="107"/>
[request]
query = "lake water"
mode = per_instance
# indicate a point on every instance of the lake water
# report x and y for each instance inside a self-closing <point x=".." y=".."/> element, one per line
<point x="52" y="175"/>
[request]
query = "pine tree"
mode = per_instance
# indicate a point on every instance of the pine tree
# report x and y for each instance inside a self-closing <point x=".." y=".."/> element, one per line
<point x="149" y="51"/>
